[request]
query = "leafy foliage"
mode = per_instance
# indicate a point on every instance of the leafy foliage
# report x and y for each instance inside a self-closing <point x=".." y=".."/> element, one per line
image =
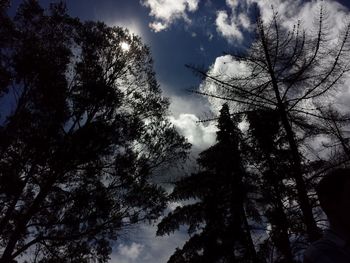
<point x="84" y="131"/>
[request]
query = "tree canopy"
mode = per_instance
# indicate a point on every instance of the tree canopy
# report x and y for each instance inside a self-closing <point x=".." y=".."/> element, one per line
<point x="83" y="130"/>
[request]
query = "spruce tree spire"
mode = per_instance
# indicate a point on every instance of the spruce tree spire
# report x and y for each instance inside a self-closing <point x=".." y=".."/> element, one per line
<point x="225" y="125"/>
<point x="217" y="223"/>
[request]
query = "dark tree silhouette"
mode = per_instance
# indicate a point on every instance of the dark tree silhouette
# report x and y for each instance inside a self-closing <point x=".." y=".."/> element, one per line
<point x="272" y="159"/>
<point x="216" y="217"/>
<point x="287" y="71"/>
<point x="83" y="129"/>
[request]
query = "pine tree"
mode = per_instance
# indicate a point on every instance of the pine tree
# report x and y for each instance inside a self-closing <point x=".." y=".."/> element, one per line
<point x="217" y="219"/>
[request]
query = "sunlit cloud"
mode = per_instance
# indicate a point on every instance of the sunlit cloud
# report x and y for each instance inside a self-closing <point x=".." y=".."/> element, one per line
<point x="232" y="23"/>
<point x="225" y="67"/>
<point x="227" y="27"/>
<point x="198" y="134"/>
<point x="166" y="12"/>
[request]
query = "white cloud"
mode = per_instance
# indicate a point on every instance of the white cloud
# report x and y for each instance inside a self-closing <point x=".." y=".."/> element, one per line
<point x="232" y="3"/>
<point x="231" y="26"/>
<point x="244" y="21"/>
<point x="185" y="112"/>
<point x="188" y="103"/>
<point x="201" y="136"/>
<point x="228" y="28"/>
<point x="158" y="26"/>
<point x="166" y="12"/>
<point x="290" y="12"/>
<point x="225" y="67"/>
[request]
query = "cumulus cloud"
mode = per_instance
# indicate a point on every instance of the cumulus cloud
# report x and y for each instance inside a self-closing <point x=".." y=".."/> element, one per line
<point x="232" y="26"/>
<point x="228" y="27"/>
<point x="199" y="135"/>
<point x="166" y="12"/>
<point x="224" y="67"/>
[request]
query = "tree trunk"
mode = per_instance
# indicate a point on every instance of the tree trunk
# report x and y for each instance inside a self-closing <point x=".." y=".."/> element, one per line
<point x="311" y="227"/>
<point x="250" y="244"/>
<point x="284" y="245"/>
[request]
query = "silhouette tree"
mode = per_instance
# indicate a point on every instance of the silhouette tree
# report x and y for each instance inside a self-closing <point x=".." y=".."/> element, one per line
<point x="287" y="71"/>
<point x="272" y="158"/>
<point x="82" y="131"/>
<point x="216" y="217"/>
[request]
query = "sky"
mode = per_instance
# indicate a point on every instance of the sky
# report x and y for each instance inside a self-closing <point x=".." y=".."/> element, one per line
<point x="197" y="32"/>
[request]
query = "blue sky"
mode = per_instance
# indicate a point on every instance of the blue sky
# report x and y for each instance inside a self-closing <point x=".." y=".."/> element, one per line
<point x="183" y="42"/>
<point x="197" y="32"/>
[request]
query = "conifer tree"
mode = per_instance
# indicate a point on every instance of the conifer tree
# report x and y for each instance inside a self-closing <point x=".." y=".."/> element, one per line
<point x="272" y="158"/>
<point x="216" y="217"/>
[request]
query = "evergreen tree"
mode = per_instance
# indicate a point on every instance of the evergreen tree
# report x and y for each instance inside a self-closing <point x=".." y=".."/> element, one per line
<point x="272" y="159"/>
<point x="216" y="217"/>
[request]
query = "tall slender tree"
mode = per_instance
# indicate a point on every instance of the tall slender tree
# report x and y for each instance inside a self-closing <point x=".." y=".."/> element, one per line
<point x="272" y="158"/>
<point x="217" y="217"/>
<point x="287" y="71"/>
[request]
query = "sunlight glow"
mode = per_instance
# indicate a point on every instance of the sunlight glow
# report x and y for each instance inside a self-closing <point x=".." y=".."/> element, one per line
<point x="125" y="46"/>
